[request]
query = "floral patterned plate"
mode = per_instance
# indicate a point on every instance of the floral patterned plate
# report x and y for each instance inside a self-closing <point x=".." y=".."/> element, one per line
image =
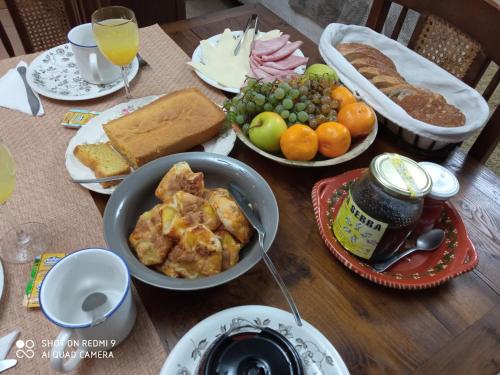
<point x="92" y="132"/>
<point x="419" y="270"/>
<point x="318" y="355"/>
<point x="54" y="74"/>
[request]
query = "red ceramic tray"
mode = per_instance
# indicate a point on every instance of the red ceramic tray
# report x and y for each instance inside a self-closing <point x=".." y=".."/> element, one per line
<point x="419" y="270"/>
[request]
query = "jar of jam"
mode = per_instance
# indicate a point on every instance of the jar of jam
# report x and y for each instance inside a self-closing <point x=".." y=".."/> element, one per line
<point x="382" y="207"/>
<point x="444" y="186"/>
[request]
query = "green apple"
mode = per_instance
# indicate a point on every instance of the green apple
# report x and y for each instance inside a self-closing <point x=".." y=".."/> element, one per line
<point x="321" y="70"/>
<point x="265" y="131"/>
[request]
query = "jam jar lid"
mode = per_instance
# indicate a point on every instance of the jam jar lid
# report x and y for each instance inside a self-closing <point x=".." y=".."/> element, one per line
<point x="400" y="176"/>
<point x="444" y="183"/>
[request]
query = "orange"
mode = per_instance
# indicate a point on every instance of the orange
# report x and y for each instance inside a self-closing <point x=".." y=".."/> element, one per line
<point x="359" y="118"/>
<point x="342" y="95"/>
<point x="299" y="142"/>
<point x="334" y="139"/>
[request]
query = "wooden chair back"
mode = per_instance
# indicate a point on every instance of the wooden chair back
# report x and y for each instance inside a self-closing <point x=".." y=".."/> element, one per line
<point x="461" y="36"/>
<point x="41" y="24"/>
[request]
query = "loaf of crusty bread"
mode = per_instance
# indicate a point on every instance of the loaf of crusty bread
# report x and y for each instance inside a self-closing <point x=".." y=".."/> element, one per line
<point x="103" y="160"/>
<point x="173" y="123"/>
<point x="420" y="103"/>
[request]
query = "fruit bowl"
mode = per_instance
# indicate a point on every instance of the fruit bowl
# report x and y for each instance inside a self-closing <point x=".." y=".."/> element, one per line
<point x="358" y="146"/>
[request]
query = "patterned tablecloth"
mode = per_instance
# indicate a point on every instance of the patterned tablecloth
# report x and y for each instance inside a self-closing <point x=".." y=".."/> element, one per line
<point x="43" y="193"/>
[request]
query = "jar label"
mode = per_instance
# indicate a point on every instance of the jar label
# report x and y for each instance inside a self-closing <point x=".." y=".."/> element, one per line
<point x="358" y="232"/>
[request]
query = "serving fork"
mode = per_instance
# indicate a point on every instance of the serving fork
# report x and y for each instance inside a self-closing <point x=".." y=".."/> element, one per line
<point x="247" y="209"/>
<point x="255" y="19"/>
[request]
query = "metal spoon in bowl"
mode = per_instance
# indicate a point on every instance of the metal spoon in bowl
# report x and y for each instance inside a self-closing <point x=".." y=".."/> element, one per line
<point x="247" y="209"/>
<point x="91" y="303"/>
<point x="428" y="241"/>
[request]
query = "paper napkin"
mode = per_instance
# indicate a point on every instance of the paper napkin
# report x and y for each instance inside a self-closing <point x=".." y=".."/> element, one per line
<point x="6" y="343"/>
<point x="13" y="93"/>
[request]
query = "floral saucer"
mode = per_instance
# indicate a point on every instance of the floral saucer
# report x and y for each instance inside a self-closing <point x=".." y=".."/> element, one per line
<point x="419" y="270"/>
<point x="54" y="74"/>
<point x="318" y="355"/>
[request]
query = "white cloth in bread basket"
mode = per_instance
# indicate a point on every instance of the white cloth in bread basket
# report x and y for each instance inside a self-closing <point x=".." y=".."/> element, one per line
<point x="416" y="70"/>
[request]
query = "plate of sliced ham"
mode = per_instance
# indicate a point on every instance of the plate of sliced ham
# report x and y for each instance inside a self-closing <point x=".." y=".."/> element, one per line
<point x="271" y="56"/>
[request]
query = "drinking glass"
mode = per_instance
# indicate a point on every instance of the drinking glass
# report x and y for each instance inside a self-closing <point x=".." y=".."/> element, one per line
<point x="117" y="36"/>
<point x="23" y="241"/>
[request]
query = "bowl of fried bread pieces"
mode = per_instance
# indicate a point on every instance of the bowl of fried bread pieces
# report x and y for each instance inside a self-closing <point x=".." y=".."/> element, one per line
<point x="177" y="227"/>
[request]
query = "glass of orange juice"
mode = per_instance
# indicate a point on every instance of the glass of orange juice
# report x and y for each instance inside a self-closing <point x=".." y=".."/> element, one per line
<point x="22" y="242"/>
<point x="117" y="36"/>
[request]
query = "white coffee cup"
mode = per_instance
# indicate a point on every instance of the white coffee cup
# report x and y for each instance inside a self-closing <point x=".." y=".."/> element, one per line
<point x="93" y="66"/>
<point x="62" y="293"/>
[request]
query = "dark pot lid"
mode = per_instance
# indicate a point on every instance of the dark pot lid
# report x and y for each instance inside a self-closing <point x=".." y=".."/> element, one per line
<point x="251" y="352"/>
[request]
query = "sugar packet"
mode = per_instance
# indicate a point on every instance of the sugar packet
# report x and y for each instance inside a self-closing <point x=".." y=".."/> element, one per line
<point x="41" y="265"/>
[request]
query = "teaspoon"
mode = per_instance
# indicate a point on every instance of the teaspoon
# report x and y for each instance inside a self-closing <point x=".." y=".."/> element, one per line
<point x="91" y="303"/>
<point x="428" y="241"/>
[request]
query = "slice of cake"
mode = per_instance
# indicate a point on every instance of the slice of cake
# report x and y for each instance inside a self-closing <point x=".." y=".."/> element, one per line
<point x="103" y="160"/>
<point x="173" y="123"/>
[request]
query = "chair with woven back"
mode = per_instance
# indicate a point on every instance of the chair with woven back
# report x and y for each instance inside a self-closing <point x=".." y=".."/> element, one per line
<point x="461" y="36"/>
<point x="43" y="24"/>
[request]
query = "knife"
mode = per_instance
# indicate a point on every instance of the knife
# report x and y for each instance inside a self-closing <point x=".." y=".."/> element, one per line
<point x="6" y="364"/>
<point x="103" y="179"/>
<point x="33" y="101"/>
<point x="247" y="209"/>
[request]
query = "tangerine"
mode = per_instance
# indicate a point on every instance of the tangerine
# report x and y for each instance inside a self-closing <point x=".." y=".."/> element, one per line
<point x="342" y="95"/>
<point x="299" y="142"/>
<point x="358" y="117"/>
<point x="334" y="139"/>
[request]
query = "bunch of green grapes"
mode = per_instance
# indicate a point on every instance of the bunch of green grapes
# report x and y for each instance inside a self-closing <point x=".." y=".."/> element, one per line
<point x="315" y="93"/>
<point x="298" y="100"/>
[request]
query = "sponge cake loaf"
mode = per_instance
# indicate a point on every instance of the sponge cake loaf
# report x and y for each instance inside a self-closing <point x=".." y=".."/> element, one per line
<point x="173" y="123"/>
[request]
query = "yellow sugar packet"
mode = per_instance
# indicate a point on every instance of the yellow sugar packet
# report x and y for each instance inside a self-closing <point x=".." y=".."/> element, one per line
<point x="75" y="118"/>
<point x="41" y="265"/>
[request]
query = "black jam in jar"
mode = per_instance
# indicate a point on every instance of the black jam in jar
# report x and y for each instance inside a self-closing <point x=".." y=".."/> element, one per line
<point x="382" y="207"/>
<point x="399" y="215"/>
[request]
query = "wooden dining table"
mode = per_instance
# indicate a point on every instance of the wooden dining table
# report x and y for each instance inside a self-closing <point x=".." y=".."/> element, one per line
<point x="452" y="328"/>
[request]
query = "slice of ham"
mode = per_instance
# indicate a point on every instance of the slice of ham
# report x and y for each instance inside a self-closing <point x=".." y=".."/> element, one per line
<point x="255" y="61"/>
<point x="275" y="72"/>
<point x="267" y="47"/>
<point x="280" y="77"/>
<point x="290" y="62"/>
<point x="283" y="52"/>
<point x="256" y="58"/>
<point x="260" y="74"/>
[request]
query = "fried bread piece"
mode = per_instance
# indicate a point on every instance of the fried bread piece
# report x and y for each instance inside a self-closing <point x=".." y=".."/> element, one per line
<point x="198" y="253"/>
<point x="148" y="240"/>
<point x="230" y="249"/>
<point x="184" y="210"/>
<point x="230" y="215"/>
<point x="180" y="177"/>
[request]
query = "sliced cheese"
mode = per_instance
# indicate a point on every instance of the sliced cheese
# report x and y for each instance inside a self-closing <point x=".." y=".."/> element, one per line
<point x="219" y="62"/>
<point x="225" y="73"/>
<point x="269" y="35"/>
